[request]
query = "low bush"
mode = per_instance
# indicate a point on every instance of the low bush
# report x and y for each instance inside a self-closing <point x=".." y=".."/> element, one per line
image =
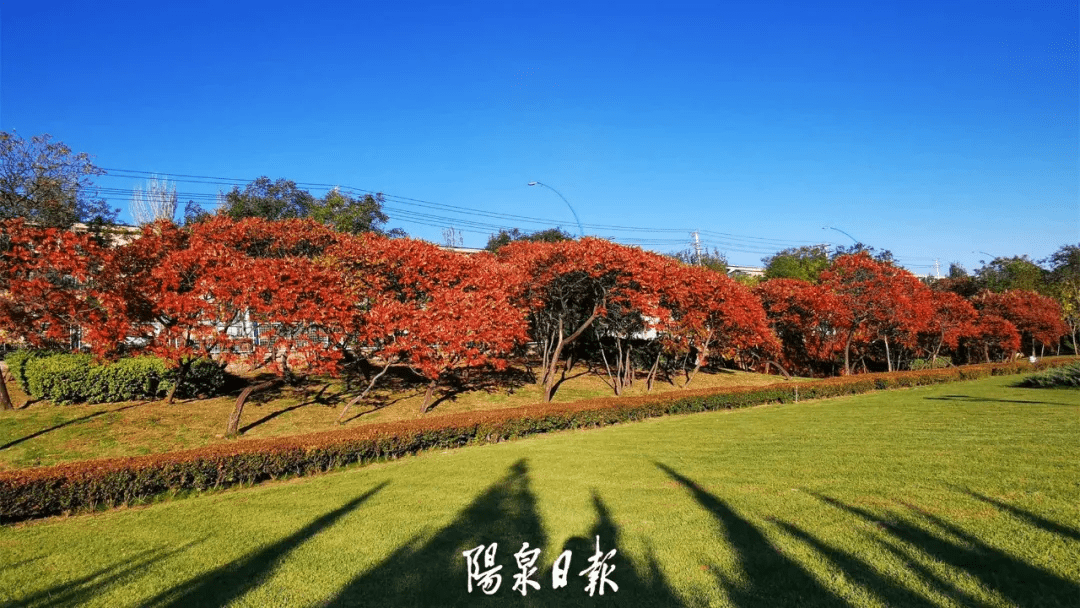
<point x="88" y="485"/>
<point x="72" y="378"/>
<point x="16" y="362"/>
<point x="1062" y="376"/>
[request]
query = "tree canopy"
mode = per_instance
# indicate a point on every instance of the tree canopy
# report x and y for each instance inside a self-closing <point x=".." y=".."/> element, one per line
<point x="283" y="199"/>
<point x="804" y="263"/>
<point x="505" y="237"/>
<point x="47" y="184"/>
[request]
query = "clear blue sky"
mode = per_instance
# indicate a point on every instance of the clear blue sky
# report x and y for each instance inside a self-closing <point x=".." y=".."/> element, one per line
<point x="933" y="129"/>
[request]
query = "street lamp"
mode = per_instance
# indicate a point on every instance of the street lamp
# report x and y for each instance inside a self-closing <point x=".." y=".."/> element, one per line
<point x="581" y="230"/>
<point x="854" y="240"/>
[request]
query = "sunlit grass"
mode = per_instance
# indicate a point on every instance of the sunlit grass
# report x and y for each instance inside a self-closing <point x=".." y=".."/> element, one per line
<point x="954" y="495"/>
<point x="44" y="434"/>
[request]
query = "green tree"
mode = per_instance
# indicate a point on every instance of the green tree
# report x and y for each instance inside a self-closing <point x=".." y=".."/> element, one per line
<point x="46" y="184"/>
<point x="283" y="199"/>
<point x="1018" y="272"/>
<point x="505" y="237"/>
<point x="1064" y="285"/>
<point x="803" y="263"/>
<point x="354" y="215"/>
<point x="713" y="260"/>
<point x="278" y="200"/>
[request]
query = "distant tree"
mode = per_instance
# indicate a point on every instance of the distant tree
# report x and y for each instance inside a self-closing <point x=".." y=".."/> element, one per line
<point x="46" y="184"/>
<point x="1064" y="285"/>
<point x="804" y="263"/>
<point x="713" y="260"/>
<point x="1017" y="272"/>
<point x="156" y="201"/>
<point x="277" y="200"/>
<point x="885" y="256"/>
<point x="505" y="237"/>
<point x="351" y="214"/>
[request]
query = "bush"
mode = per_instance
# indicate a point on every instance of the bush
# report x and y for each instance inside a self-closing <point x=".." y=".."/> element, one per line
<point x="81" y="486"/>
<point x="70" y="378"/>
<point x="16" y="362"/>
<point x="1062" y="376"/>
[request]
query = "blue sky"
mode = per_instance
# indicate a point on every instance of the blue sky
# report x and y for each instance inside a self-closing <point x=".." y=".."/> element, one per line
<point x="938" y="130"/>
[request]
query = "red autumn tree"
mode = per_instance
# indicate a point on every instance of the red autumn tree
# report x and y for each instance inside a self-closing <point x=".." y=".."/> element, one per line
<point x="1037" y="317"/>
<point x="993" y="336"/>
<point x="809" y="320"/>
<point x="953" y="318"/>
<point x="710" y="312"/>
<point x="568" y="287"/>
<point x="880" y="302"/>
<point x="439" y="312"/>
<point x="49" y="295"/>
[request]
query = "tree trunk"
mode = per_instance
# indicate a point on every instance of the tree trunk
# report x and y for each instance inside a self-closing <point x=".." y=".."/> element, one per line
<point x="5" y="398"/>
<point x="549" y="373"/>
<point x="847" y="350"/>
<point x="356" y="399"/>
<point x="234" y="420"/>
<point x="184" y="366"/>
<point x="888" y="358"/>
<point x="427" y="397"/>
<point x="652" y="374"/>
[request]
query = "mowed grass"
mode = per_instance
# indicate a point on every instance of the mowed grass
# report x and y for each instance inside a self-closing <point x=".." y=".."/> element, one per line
<point x="965" y="494"/>
<point x="43" y="434"/>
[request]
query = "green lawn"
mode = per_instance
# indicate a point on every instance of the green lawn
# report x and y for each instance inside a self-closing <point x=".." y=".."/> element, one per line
<point x="964" y="494"/>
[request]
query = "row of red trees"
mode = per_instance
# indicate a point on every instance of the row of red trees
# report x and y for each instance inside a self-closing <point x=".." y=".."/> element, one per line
<point x="324" y="301"/>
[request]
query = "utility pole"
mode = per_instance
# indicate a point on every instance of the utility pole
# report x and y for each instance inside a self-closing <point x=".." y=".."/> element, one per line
<point x="697" y="249"/>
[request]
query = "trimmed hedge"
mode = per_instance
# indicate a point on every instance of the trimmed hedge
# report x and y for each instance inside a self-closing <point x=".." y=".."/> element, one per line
<point x="16" y="362"/>
<point x="73" y="378"/>
<point x="88" y="485"/>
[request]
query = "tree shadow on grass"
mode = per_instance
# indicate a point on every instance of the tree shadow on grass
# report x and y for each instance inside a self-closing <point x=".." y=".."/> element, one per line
<point x="1026" y="516"/>
<point x="772" y="578"/>
<point x="69" y="423"/>
<point x="81" y="590"/>
<point x="971" y="399"/>
<point x="235" y="579"/>
<point x="431" y="570"/>
<point x="1021" y="583"/>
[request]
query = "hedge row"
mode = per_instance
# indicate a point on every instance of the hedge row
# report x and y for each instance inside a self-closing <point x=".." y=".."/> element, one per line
<point x="88" y="485"/>
<point x="74" y="378"/>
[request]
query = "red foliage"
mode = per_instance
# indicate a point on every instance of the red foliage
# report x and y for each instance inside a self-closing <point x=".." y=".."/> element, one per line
<point x="810" y="321"/>
<point x="953" y="318"/>
<point x="880" y="302"/>
<point x="48" y="287"/>
<point x="710" y="310"/>
<point x="1037" y="317"/>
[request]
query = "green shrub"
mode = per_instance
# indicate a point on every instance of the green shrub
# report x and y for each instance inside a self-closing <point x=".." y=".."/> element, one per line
<point x="16" y="362"/>
<point x="72" y="378"/>
<point x="1062" y="376"/>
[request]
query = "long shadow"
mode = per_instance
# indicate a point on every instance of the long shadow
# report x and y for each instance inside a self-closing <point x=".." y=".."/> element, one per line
<point x="271" y="416"/>
<point x="773" y="579"/>
<point x="1028" y="517"/>
<point x="233" y="580"/>
<point x="81" y="590"/>
<point x="68" y="423"/>
<point x="636" y="588"/>
<point x="932" y="579"/>
<point x="891" y="592"/>
<point x="982" y="399"/>
<point x="1020" y="582"/>
<point x="431" y="571"/>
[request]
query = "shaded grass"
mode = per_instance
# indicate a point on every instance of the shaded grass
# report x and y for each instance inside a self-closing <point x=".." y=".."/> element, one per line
<point x="955" y="495"/>
<point x="44" y="434"/>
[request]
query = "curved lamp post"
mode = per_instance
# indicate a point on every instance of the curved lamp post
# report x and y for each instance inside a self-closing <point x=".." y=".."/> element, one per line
<point x="581" y="231"/>
<point x="853" y="239"/>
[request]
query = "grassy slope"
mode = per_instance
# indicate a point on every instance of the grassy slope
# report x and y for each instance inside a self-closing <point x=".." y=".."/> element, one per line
<point x="962" y="494"/>
<point x="44" y="434"/>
